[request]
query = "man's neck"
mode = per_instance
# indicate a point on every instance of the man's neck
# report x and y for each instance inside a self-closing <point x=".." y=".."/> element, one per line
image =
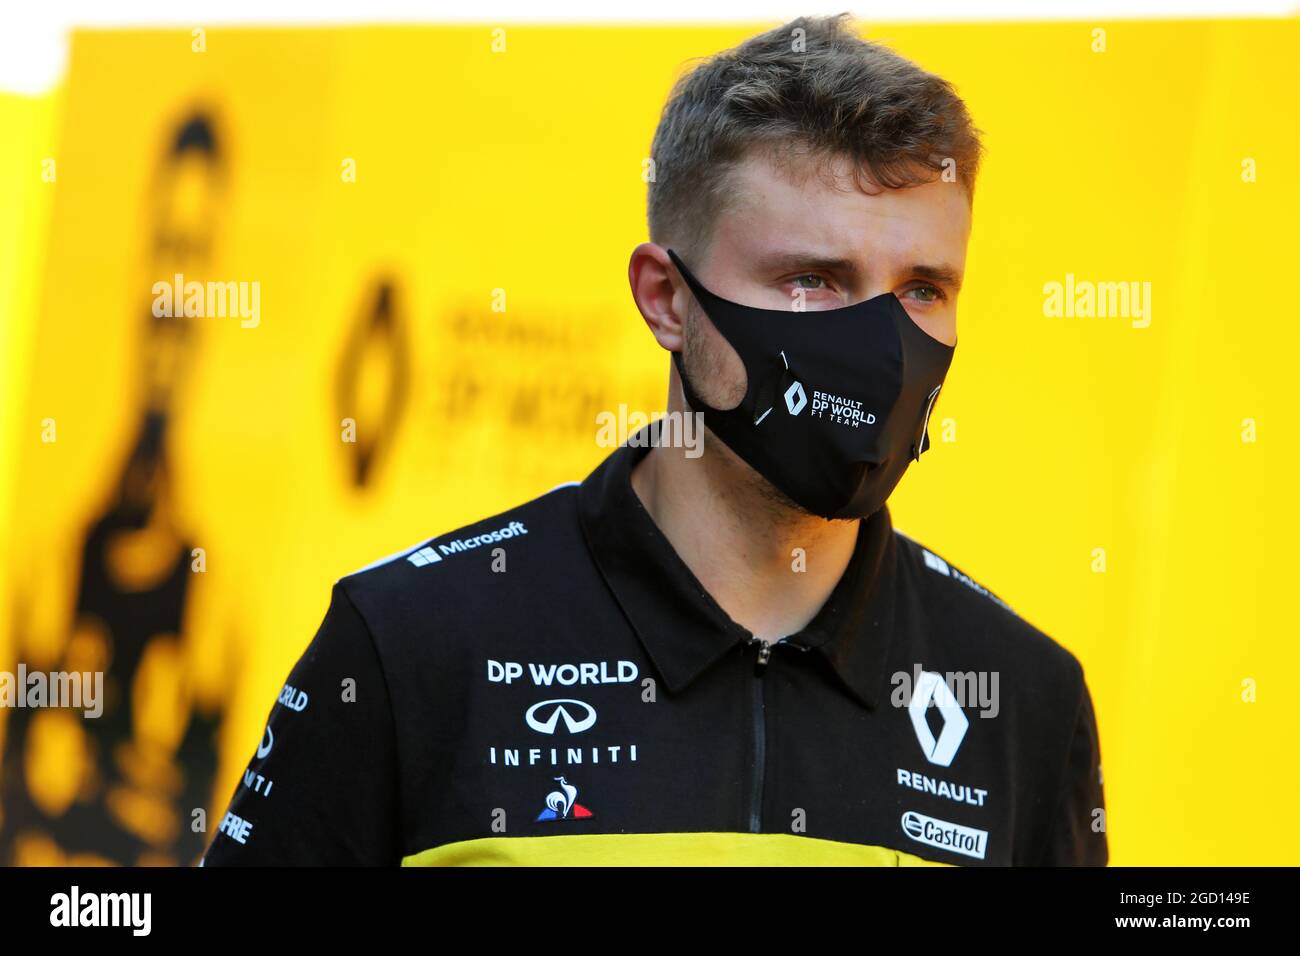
<point x="771" y="568"/>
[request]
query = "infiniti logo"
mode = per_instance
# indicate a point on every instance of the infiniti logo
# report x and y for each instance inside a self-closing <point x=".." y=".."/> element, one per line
<point x="268" y="741"/>
<point x="558" y="708"/>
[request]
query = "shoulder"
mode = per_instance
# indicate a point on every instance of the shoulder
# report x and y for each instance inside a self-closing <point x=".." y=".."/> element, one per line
<point x="973" y="618"/>
<point x="458" y="575"/>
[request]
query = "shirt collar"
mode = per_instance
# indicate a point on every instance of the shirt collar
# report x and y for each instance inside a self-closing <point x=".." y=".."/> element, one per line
<point x="684" y="630"/>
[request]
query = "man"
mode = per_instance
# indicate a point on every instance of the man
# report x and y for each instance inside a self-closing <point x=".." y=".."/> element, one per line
<point x="728" y="657"/>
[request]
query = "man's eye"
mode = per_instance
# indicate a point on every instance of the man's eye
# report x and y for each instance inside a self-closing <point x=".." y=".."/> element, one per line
<point x="815" y="278"/>
<point x="933" y="293"/>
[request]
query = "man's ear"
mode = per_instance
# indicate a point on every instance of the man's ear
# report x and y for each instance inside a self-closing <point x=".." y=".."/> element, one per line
<point x="660" y="299"/>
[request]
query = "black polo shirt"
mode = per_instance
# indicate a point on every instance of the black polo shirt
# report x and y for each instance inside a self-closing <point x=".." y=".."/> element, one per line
<point x="552" y="685"/>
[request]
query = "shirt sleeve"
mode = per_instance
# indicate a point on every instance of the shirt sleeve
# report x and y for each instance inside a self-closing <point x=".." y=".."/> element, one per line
<point x="1078" y="835"/>
<point x="322" y="786"/>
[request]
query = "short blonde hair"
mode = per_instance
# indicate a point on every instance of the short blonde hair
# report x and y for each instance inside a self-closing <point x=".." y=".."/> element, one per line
<point x="832" y="94"/>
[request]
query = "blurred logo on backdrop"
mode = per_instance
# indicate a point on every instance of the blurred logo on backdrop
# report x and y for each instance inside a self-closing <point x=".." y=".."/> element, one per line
<point x="122" y="788"/>
<point x="372" y="379"/>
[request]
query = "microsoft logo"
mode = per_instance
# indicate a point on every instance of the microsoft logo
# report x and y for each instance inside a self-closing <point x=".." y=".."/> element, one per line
<point x="424" y="556"/>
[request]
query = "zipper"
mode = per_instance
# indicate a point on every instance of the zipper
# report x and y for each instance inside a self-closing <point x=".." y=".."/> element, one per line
<point x="760" y="729"/>
<point x="760" y="737"/>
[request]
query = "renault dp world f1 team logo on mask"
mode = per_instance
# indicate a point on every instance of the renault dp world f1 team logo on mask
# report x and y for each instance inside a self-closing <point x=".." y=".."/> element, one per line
<point x="942" y="749"/>
<point x="842" y="411"/>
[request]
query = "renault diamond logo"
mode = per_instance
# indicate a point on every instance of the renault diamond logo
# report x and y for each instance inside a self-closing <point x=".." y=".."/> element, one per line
<point x="795" y="399"/>
<point x="931" y="686"/>
<point x="558" y="708"/>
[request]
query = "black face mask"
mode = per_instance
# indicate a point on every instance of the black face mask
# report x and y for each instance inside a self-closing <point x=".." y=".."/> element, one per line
<point x="836" y="402"/>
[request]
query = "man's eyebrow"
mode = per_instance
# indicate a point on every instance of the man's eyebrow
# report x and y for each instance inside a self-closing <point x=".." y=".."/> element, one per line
<point x="943" y="275"/>
<point x="791" y="261"/>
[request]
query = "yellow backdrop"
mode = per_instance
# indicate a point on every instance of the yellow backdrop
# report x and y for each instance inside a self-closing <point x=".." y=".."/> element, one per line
<point x="439" y="219"/>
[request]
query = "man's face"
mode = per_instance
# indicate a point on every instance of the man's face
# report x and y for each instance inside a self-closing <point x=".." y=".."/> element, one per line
<point x="821" y="234"/>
